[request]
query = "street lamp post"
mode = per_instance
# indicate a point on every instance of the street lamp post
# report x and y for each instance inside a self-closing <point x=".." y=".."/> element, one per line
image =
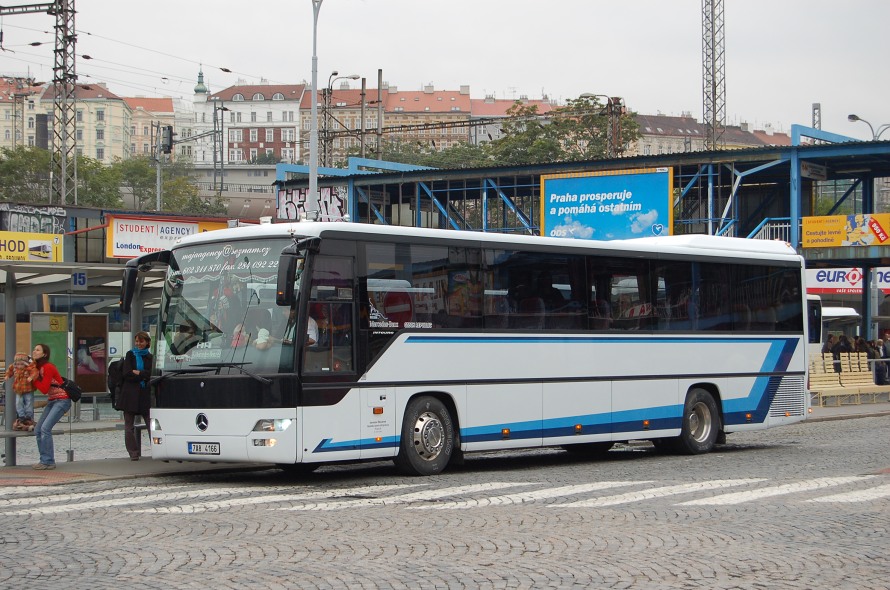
<point x="312" y="197"/>
<point x="327" y="155"/>
<point x="876" y="134"/>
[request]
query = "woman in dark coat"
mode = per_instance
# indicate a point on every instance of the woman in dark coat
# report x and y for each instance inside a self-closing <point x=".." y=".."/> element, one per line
<point x="135" y="393"/>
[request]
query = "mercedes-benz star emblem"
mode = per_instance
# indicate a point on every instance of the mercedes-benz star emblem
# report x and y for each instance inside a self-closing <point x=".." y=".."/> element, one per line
<point x="201" y="422"/>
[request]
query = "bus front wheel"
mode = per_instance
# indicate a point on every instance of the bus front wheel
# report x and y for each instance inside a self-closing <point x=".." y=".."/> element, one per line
<point x="701" y="424"/>
<point x="427" y="437"/>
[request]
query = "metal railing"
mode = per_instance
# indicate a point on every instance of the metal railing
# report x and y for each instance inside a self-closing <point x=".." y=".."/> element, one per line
<point x="773" y="228"/>
<point x="227" y="187"/>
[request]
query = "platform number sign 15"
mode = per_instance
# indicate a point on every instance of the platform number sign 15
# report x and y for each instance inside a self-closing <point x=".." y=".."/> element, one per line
<point x="79" y="281"/>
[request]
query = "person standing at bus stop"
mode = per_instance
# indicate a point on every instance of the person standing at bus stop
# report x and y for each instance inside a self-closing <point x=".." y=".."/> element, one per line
<point x="48" y="381"/>
<point x="135" y="394"/>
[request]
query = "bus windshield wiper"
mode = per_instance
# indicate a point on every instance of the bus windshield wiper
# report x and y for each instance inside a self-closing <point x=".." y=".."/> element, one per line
<point x="175" y="372"/>
<point x="239" y="366"/>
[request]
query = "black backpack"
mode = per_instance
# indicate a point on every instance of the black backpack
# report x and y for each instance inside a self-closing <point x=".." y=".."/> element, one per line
<point x="115" y="375"/>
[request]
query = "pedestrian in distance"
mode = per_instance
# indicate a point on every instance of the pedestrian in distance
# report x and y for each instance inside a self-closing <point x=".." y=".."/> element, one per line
<point x="135" y="393"/>
<point x="48" y="381"/>
<point x="829" y="344"/>
<point x="21" y="372"/>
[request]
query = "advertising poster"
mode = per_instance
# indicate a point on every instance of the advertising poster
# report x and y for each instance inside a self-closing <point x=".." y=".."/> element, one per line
<point x="130" y="237"/>
<point x="845" y="230"/>
<point x="30" y="247"/>
<point x="613" y="205"/>
<point x="90" y="350"/>
<point x="52" y="329"/>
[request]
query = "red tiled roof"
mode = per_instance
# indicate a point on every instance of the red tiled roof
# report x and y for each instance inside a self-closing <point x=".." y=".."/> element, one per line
<point x="290" y="91"/>
<point x="438" y="101"/>
<point x="344" y="98"/>
<point x="152" y="105"/>
<point x="10" y="86"/>
<point x="485" y="107"/>
<point x="84" y="92"/>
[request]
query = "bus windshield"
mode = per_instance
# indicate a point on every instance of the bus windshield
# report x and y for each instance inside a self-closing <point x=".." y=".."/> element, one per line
<point x="218" y="309"/>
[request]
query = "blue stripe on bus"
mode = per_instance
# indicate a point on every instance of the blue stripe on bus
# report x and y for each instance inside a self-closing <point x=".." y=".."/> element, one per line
<point x="535" y="338"/>
<point x="735" y="411"/>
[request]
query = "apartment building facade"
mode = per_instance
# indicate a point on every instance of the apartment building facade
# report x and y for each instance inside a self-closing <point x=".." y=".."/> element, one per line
<point x="255" y="122"/>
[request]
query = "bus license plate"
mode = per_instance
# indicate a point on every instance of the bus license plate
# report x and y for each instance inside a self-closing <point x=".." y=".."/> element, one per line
<point x="203" y="448"/>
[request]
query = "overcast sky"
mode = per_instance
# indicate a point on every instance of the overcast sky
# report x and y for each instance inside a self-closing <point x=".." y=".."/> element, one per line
<point x="781" y="55"/>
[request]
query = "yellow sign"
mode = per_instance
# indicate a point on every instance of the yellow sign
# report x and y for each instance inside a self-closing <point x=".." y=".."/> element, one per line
<point x="30" y="247"/>
<point x="846" y="230"/>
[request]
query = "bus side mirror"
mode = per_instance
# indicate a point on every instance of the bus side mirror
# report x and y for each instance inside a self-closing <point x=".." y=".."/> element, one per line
<point x="287" y="271"/>
<point x="128" y="287"/>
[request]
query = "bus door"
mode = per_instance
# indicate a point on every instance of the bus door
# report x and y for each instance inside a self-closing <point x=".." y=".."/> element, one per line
<point x="332" y="404"/>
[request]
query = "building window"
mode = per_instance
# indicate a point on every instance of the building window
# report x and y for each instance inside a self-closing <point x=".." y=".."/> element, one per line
<point x="252" y="116"/>
<point x="236" y="135"/>
<point x="269" y="116"/>
<point x="277" y="96"/>
<point x="100" y="153"/>
<point x="287" y="154"/>
<point x="100" y="135"/>
<point x="145" y="130"/>
<point x="254" y="133"/>
<point x="79" y="135"/>
<point x="238" y="97"/>
<point x="236" y="155"/>
<point x="259" y="96"/>
<point x="7" y="135"/>
<point x="30" y="122"/>
<point x="132" y="148"/>
<point x="79" y="116"/>
<point x="100" y="116"/>
<point x="270" y="134"/>
<point x="288" y="134"/>
<point x="144" y="148"/>
<point x="253" y="154"/>
<point x="238" y="116"/>
<point x="269" y="154"/>
<point x="30" y="141"/>
<point x="30" y="105"/>
<point x="132" y="130"/>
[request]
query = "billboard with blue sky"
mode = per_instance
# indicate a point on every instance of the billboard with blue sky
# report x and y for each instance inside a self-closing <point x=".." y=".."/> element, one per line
<point x="611" y="205"/>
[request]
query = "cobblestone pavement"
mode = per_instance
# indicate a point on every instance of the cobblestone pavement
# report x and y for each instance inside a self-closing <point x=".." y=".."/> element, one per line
<point x="806" y="506"/>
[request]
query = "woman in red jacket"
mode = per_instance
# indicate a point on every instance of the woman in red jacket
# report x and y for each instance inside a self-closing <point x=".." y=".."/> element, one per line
<point x="48" y="381"/>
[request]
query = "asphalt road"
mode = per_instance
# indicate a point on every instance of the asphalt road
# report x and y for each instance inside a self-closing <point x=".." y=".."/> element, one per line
<point x="806" y="506"/>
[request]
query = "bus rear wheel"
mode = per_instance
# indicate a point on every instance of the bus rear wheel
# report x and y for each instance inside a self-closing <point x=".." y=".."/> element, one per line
<point x="427" y="439"/>
<point x="701" y="424"/>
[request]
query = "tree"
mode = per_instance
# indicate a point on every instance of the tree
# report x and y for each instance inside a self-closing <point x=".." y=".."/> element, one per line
<point x="24" y="175"/>
<point x="139" y="178"/>
<point x="98" y="185"/>
<point x="528" y="139"/>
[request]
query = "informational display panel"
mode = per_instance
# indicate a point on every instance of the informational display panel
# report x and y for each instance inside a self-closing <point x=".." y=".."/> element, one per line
<point x="612" y="205"/>
<point x="129" y="237"/>
<point x="30" y="247"/>
<point x="90" y="350"/>
<point x="831" y="231"/>
<point x="52" y="329"/>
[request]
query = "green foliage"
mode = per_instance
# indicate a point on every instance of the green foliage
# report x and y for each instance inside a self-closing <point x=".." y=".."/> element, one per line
<point x="24" y="175"/>
<point x="264" y="158"/>
<point x="98" y="185"/>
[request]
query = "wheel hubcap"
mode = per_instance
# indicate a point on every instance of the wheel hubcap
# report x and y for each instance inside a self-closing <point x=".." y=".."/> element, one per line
<point x="429" y="436"/>
<point x="700" y="422"/>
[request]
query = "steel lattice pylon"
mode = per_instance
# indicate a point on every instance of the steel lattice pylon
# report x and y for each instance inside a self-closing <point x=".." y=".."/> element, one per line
<point x="713" y="73"/>
<point x="64" y="160"/>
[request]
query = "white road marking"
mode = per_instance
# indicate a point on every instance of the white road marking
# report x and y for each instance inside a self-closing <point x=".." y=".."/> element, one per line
<point x="657" y="493"/>
<point x="529" y="496"/>
<point x="868" y="495"/>
<point x="406" y="498"/>
<point x="289" y="497"/>
<point x="791" y="488"/>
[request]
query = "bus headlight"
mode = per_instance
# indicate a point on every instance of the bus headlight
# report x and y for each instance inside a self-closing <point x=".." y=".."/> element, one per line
<point x="269" y="425"/>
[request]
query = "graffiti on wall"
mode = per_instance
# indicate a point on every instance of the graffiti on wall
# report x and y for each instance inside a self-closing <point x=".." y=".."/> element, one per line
<point x="332" y="204"/>
<point x="31" y="219"/>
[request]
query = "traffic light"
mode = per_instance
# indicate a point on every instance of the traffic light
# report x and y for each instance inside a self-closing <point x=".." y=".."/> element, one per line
<point x="167" y="139"/>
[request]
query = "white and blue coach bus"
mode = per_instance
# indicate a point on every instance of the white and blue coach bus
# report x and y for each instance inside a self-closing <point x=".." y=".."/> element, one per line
<point x="307" y="343"/>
